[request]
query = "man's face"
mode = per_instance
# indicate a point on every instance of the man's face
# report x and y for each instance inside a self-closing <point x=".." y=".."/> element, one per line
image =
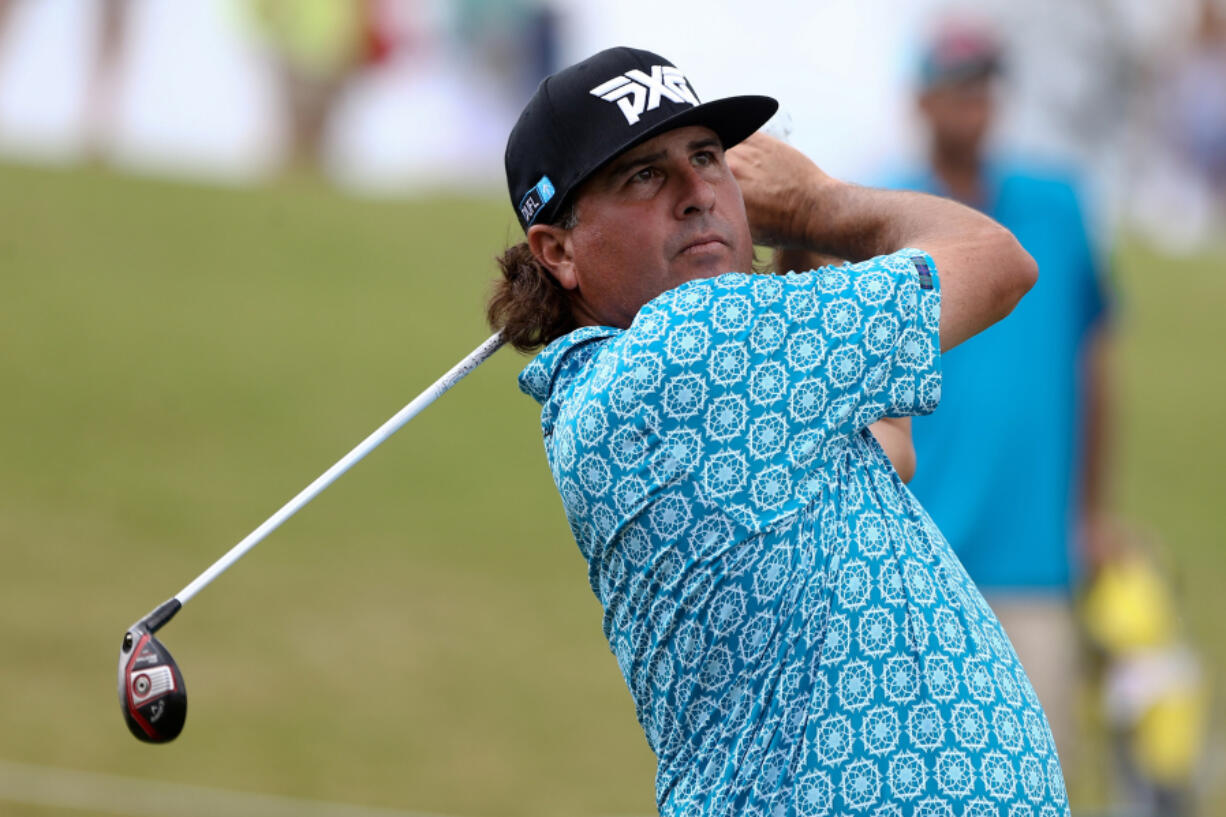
<point x="959" y="115"/>
<point x="662" y="213"/>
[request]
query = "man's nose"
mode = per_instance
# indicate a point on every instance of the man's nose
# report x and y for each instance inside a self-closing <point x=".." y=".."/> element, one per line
<point x="697" y="193"/>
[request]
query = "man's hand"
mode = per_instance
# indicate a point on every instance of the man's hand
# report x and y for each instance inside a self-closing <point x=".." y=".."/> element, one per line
<point x="1103" y="540"/>
<point x="779" y="183"/>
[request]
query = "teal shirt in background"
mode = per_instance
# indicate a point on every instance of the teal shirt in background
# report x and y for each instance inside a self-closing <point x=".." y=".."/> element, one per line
<point x="998" y="465"/>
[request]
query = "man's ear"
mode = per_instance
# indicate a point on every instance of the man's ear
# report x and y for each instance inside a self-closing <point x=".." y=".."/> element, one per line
<point x="552" y="247"/>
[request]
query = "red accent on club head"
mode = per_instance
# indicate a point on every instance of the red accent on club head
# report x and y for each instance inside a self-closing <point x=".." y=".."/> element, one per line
<point x="132" y="710"/>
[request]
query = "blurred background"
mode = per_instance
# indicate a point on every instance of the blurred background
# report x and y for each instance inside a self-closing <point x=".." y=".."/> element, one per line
<point x="237" y="235"/>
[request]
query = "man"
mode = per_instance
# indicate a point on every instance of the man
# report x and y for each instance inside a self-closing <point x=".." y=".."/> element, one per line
<point x="1011" y="466"/>
<point x="797" y="636"/>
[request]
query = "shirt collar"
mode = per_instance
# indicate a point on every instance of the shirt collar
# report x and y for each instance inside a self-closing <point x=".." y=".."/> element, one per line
<point x="990" y="178"/>
<point x="538" y="378"/>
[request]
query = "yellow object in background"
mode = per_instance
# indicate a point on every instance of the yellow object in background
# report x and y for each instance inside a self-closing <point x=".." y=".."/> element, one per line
<point x="1127" y="607"/>
<point x="1154" y="691"/>
<point x="1168" y="738"/>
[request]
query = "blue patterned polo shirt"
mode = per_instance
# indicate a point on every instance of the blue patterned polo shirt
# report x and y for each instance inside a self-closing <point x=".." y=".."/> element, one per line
<point x="797" y="635"/>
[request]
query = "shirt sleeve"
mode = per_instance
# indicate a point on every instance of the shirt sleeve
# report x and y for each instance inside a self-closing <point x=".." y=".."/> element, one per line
<point x="745" y="381"/>
<point x="862" y="342"/>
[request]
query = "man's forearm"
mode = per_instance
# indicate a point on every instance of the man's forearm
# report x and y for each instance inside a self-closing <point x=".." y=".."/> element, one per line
<point x="790" y="202"/>
<point x="1096" y="421"/>
<point x="984" y="271"/>
<point x="856" y="223"/>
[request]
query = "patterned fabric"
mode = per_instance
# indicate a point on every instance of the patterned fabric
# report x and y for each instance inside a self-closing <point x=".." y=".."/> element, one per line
<point x="798" y="637"/>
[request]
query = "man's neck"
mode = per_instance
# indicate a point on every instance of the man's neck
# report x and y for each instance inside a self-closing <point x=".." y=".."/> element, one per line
<point x="961" y="174"/>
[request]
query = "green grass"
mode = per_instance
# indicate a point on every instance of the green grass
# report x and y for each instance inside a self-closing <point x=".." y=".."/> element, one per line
<point x="1172" y="392"/>
<point x="177" y="362"/>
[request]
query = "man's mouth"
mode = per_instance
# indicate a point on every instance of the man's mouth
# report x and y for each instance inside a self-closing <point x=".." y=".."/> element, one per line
<point x="704" y="244"/>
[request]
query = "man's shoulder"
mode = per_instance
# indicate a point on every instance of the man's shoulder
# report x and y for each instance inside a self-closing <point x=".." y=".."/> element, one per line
<point x="562" y="364"/>
<point x="731" y="296"/>
<point x="1034" y="178"/>
<point x="563" y="356"/>
<point x="694" y="296"/>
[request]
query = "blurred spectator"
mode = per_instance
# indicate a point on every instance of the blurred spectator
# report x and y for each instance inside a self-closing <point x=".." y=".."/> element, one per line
<point x="1195" y="109"/>
<point x="1011" y="464"/>
<point x="101" y="91"/>
<point x="318" y="47"/>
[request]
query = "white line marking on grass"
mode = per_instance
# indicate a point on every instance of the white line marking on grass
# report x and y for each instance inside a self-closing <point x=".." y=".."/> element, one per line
<point x="135" y="797"/>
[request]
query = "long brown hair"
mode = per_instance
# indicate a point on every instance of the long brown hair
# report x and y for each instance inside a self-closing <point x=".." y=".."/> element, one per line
<point x="527" y="304"/>
<point x="531" y="309"/>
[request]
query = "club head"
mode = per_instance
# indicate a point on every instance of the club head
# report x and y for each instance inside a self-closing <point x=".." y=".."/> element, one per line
<point x="151" y="691"/>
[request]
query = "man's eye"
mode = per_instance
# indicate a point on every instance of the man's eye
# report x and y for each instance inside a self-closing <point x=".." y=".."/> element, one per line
<point x="706" y="157"/>
<point x="643" y="175"/>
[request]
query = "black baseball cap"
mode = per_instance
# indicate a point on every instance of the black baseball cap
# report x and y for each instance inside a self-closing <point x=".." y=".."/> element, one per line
<point x="585" y="115"/>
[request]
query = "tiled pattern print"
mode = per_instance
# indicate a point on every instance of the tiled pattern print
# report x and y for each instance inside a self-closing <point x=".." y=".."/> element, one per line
<point x="798" y="637"/>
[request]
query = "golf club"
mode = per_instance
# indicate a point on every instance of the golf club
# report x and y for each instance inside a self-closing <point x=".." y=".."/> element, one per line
<point x="152" y="694"/>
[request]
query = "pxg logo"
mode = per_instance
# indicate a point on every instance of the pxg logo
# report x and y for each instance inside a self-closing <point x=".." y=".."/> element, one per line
<point x="636" y="92"/>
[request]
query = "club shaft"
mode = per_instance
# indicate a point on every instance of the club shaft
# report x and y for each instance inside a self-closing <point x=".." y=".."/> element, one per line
<point x="376" y="438"/>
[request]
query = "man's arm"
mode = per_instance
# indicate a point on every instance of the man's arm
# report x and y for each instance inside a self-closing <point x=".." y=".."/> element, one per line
<point x="792" y="203"/>
<point x="1099" y="534"/>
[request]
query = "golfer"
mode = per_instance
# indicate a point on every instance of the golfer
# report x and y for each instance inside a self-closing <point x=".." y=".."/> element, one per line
<point x="797" y="635"/>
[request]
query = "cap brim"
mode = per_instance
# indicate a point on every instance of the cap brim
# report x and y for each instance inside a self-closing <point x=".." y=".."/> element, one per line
<point x="734" y="119"/>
